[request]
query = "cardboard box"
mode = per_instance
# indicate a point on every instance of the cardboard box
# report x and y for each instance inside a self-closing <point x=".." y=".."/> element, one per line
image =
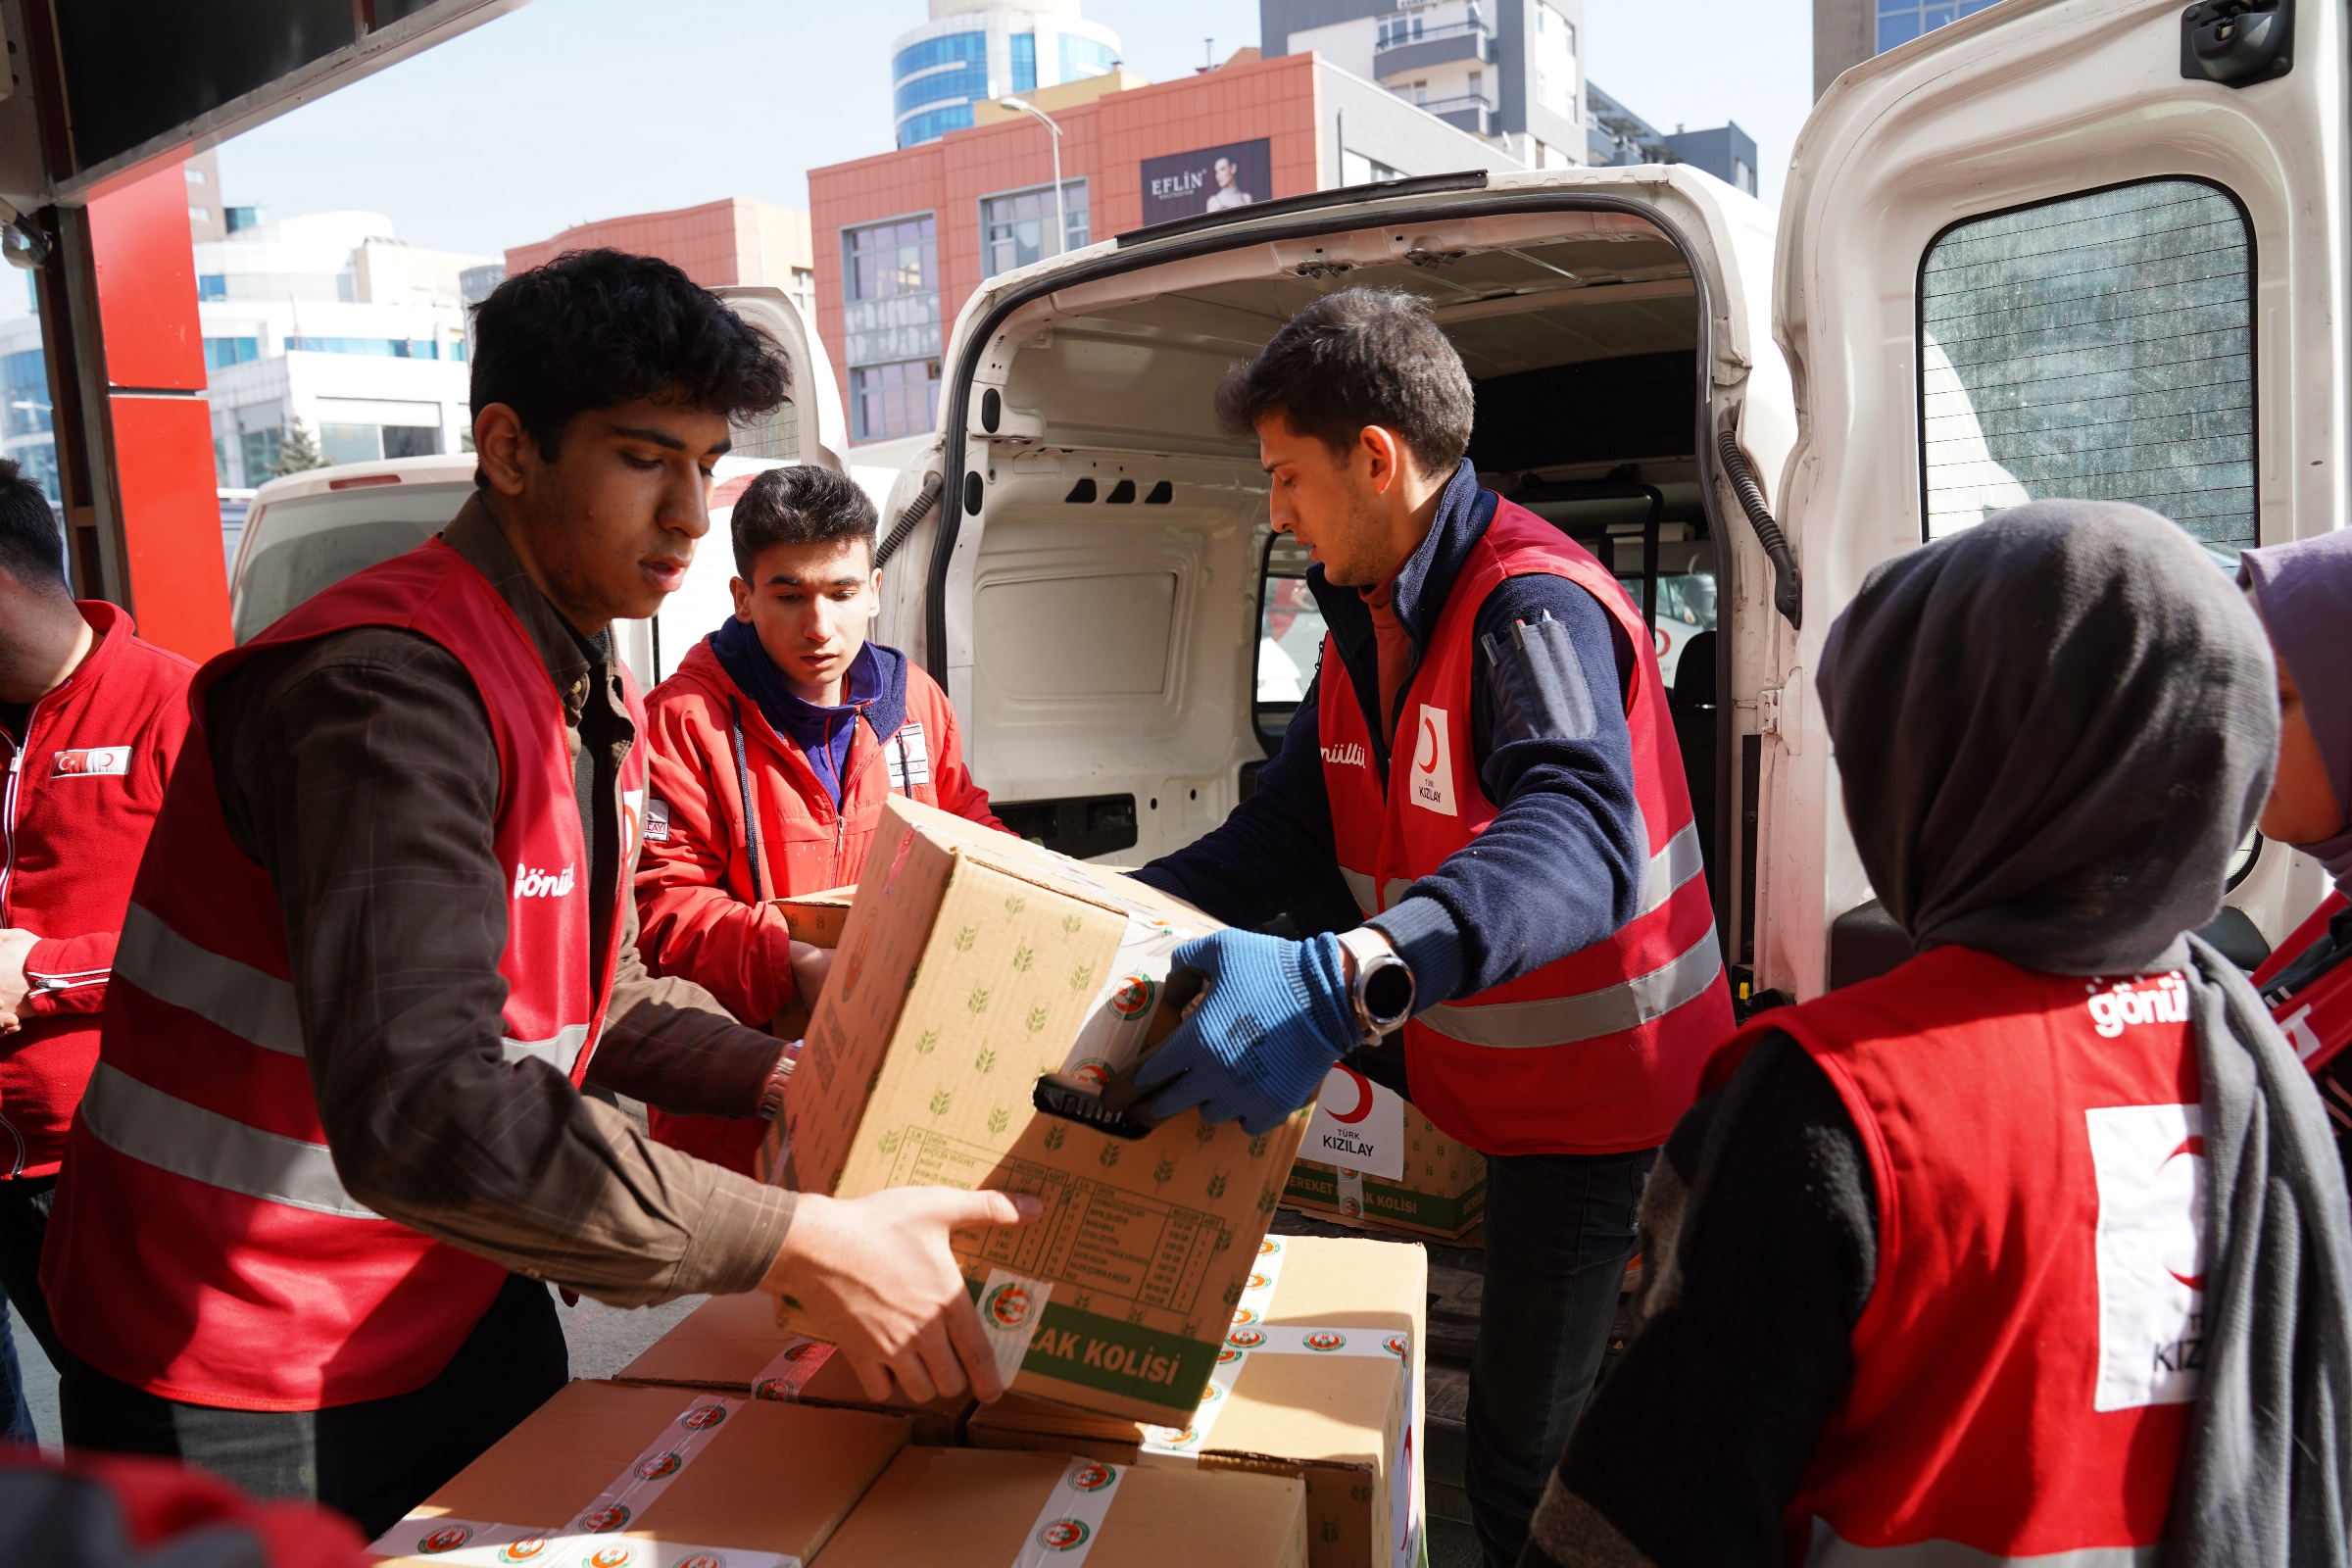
<point x="1338" y="1418"/>
<point x="655" y="1478"/>
<point x="974" y="1508"/>
<point x="1388" y="1167"/>
<point x="816" y="918"/>
<point x="731" y="1344"/>
<point x="973" y="966"/>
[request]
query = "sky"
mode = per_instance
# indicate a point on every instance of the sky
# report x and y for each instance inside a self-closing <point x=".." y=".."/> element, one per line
<point x="564" y="110"/>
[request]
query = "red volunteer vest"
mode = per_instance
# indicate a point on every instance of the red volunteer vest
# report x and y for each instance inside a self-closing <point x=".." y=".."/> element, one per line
<point x="2317" y="1020"/>
<point x="2025" y="1370"/>
<point x="1597" y="1051"/>
<point x="203" y="1247"/>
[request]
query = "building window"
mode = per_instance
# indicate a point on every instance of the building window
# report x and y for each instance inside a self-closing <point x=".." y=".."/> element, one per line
<point x="412" y="441"/>
<point x="1013" y="227"/>
<point x="2098" y="347"/>
<point x="933" y="124"/>
<point x="219" y="353"/>
<point x="397" y="348"/>
<point x="1744" y="176"/>
<point x="1024" y="62"/>
<point x="950" y="70"/>
<point x="25" y="379"/>
<point x="887" y="259"/>
<point x="1901" y="21"/>
<point x="1084" y="57"/>
<point x="200" y="215"/>
<point x="262" y="449"/>
<point x="195" y="175"/>
<point x="1356" y="168"/>
<point x="894" y="400"/>
<point x="211" y="286"/>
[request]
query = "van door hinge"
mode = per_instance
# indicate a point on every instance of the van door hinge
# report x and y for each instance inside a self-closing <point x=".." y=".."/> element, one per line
<point x="1774" y="717"/>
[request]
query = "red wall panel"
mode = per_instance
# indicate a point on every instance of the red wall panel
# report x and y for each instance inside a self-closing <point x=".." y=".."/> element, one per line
<point x="143" y="255"/>
<point x="172" y="521"/>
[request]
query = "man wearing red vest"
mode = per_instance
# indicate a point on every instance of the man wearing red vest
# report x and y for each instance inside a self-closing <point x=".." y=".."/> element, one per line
<point x="379" y="965"/>
<point x="789" y="706"/>
<point x="90" y="721"/>
<point x="1486" y="762"/>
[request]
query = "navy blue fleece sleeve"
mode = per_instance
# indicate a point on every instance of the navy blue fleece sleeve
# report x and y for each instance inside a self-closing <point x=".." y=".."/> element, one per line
<point x="1274" y="853"/>
<point x="1564" y="862"/>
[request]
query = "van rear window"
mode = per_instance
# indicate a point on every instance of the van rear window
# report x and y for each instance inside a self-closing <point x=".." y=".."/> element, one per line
<point x="2096" y="347"/>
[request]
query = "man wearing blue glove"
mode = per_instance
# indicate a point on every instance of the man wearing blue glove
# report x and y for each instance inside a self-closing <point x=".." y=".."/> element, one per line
<point x="1488" y="763"/>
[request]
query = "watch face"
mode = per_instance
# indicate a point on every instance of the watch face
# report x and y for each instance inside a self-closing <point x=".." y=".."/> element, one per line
<point x="1388" y="991"/>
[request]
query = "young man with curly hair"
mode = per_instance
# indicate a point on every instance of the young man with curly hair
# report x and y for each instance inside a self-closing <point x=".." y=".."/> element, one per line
<point x="381" y="944"/>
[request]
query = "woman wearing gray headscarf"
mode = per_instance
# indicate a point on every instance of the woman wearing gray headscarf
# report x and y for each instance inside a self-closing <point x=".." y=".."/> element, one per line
<point x="2033" y="1249"/>
<point x="2303" y="592"/>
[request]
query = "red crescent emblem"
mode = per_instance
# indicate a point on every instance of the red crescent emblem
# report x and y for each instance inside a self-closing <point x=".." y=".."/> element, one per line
<point x="1363" y="1100"/>
<point x="1429" y="733"/>
<point x="2194" y="1147"/>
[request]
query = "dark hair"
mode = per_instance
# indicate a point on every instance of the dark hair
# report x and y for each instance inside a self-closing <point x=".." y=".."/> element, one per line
<point x="1363" y="356"/>
<point x="798" y="505"/>
<point x="592" y="329"/>
<point x="33" y="549"/>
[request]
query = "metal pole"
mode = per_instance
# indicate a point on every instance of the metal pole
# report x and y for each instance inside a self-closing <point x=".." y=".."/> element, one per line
<point x="1061" y="218"/>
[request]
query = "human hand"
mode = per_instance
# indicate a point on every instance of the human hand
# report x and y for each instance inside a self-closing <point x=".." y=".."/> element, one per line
<point x="876" y="1277"/>
<point x="15" y="945"/>
<point x="1274" y="1019"/>
<point x="810" y="965"/>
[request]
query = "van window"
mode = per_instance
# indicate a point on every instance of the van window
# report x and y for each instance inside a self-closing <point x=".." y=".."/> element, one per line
<point x="298" y="546"/>
<point x="2099" y="347"/>
<point x="1289" y="638"/>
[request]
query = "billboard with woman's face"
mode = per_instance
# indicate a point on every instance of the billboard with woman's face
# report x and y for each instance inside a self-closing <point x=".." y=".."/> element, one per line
<point x="1210" y="180"/>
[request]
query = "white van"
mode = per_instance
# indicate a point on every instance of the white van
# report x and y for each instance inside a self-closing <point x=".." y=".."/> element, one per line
<point x="2040" y="252"/>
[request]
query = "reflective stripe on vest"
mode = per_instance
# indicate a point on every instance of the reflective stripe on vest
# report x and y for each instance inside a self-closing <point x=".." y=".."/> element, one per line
<point x="256" y="1007"/>
<point x="1828" y="1551"/>
<point x="169" y="1134"/>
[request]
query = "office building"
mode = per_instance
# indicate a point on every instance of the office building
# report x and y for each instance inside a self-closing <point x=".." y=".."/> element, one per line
<point x="1509" y="71"/>
<point x="1846" y="32"/>
<point x="334" y="321"/>
<point x="904" y="238"/>
<point x="973" y="52"/>
<point x="1618" y="135"/>
<point x="717" y="244"/>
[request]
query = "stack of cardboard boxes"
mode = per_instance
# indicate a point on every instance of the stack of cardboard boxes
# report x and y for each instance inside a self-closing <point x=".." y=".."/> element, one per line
<point x="1181" y="1381"/>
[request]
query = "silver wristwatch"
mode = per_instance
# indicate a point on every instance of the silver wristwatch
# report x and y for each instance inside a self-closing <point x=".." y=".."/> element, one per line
<point x="1382" y="987"/>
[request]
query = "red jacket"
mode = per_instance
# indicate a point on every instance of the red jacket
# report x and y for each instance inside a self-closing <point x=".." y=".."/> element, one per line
<point x="82" y="796"/>
<point x="698" y="895"/>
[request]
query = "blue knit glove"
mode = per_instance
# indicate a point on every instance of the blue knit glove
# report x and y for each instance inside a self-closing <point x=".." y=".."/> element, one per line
<point x="1276" y="1014"/>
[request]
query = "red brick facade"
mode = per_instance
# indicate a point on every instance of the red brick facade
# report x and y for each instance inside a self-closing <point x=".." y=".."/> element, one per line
<point x="1103" y="142"/>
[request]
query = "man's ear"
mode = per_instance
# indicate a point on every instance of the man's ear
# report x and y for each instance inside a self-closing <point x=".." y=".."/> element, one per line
<point x="499" y="440"/>
<point x="1384" y="455"/>
<point x="742" y="592"/>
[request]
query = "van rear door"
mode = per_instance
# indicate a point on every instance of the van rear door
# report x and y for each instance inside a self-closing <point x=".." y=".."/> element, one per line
<point x="2061" y="248"/>
<point x="1094" y="586"/>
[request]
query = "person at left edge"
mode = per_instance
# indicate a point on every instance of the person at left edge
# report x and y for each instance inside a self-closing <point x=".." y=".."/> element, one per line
<point x="337" y="1134"/>
<point x="787" y="707"/>
<point x="91" y="721"/>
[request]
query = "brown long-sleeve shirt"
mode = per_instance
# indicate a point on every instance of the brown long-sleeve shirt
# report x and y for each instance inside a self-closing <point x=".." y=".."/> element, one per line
<point x="359" y="770"/>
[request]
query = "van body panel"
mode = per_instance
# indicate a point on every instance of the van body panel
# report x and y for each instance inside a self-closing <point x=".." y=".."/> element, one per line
<point x="2030" y="102"/>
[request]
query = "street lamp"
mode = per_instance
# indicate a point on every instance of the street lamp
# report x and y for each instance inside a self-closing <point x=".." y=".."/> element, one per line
<point x="1061" y="219"/>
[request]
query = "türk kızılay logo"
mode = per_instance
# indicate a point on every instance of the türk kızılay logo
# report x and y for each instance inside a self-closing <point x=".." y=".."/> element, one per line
<point x="703" y="1418"/>
<point x="1064" y="1534"/>
<point x="531" y="882"/>
<point x="1008" y="1307"/>
<point x="2165" y="1000"/>
<point x="1324" y="1339"/>
<point x="660" y="1465"/>
<point x="1134" y="997"/>
<point x="449" y="1538"/>
<point x="1092" y="1478"/>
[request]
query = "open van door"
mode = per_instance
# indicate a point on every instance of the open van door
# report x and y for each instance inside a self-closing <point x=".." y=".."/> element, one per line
<point x="2062" y="248"/>
<point x="808" y="428"/>
<point x="1084" y="559"/>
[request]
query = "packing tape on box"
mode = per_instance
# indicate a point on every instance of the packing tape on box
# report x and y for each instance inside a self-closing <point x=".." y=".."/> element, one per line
<point x="588" y="1541"/>
<point x="1072" y="1517"/>
<point x="1352" y="1193"/>
<point x="1010" y="1308"/>
<point x="783" y="1378"/>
